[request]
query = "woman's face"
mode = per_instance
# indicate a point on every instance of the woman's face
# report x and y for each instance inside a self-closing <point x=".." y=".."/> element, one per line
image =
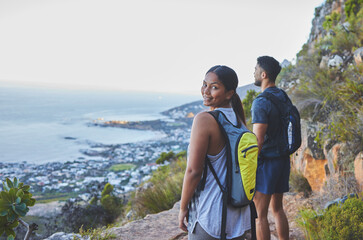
<point x="214" y="93"/>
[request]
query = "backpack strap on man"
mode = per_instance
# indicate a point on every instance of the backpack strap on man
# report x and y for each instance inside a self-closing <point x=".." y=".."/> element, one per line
<point x="280" y="105"/>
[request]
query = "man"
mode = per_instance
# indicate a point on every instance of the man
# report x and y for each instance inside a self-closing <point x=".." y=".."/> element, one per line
<point x="273" y="170"/>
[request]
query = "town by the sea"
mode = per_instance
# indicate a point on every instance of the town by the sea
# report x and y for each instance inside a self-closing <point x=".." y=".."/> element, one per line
<point x="59" y="140"/>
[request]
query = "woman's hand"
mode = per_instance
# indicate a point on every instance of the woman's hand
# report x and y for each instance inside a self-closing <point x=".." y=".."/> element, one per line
<point x="183" y="214"/>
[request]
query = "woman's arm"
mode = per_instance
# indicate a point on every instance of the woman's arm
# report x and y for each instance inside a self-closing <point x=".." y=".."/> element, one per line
<point x="199" y="141"/>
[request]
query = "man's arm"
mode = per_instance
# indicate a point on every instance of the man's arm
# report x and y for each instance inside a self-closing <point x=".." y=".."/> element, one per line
<point x="259" y="129"/>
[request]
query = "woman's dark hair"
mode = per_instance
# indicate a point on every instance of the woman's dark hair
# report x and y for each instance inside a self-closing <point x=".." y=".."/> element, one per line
<point x="230" y="81"/>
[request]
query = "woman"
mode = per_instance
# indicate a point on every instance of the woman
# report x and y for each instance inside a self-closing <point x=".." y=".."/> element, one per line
<point x="205" y="207"/>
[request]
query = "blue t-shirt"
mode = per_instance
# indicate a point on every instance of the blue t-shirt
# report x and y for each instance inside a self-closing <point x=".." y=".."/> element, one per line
<point x="263" y="111"/>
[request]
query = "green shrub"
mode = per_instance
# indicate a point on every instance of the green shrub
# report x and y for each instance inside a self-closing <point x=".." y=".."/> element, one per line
<point x="15" y="201"/>
<point x="164" y="156"/>
<point x="352" y="7"/>
<point x="247" y="105"/>
<point x="181" y="154"/>
<point x="343" y="41"/>
<point x="166" y="185"/>
<point x="110" y="202"/>
<point x="343" y="221"/>
<point x="101" y="210"/>
<point x="97" y="233"/>
<point x="299" y="183"/>
<point x="331" y="20"/>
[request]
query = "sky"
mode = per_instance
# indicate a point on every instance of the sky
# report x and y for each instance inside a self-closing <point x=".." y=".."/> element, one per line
<point x="145" y="45"/>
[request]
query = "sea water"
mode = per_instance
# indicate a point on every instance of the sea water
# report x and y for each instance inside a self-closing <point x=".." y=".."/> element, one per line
<point x="39" y="124"/>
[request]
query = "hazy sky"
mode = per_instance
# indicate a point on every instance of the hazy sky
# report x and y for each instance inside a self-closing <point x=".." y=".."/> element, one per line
<point x="146" y="45"/>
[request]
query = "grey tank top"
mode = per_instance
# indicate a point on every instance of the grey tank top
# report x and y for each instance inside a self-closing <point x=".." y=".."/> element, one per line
<point x="206" y="206"/>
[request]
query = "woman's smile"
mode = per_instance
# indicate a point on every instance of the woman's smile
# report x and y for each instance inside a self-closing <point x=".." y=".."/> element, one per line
<point x="214" y="92"/>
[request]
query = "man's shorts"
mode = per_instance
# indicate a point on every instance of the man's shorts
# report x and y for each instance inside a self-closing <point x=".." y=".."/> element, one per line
<point x="273" y="175"/>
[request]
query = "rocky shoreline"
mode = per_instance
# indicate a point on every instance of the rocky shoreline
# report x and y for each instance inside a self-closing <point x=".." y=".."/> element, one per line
<point x="82" y="175"/>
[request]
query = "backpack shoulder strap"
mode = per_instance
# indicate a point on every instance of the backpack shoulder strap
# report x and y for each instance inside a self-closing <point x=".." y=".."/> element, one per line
<point x="280" y="105"/>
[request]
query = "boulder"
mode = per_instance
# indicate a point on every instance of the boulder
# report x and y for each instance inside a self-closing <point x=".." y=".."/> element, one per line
<point x="159" y="226"/>
<point x="346" y="26"/>
<point x="65" y="236"/>
<point x="314" y="171"/>
<point x="335" y="61"/>
<point x="324" y="62"/>
<point x="332" y="155"/>
<point x="358" y="56"/>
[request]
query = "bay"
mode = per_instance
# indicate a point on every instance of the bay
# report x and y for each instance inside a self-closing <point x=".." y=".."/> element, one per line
<point x="39" y="124"/>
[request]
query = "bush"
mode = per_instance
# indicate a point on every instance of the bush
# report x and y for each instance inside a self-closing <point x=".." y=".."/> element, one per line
<point x="299" y="183"/>
<point x="163" y="192"/>
<point x="247" y="105"/>
<point x="331" y="20"/>
<point x="352" y="7"/>
<point x="97" y="233"/>
<point x="100" y="211"/>
<point x="164" y="156"/>
<point x="111" y="203"/>
<point x="343" y="221"/>
<point x="15" y="201"/>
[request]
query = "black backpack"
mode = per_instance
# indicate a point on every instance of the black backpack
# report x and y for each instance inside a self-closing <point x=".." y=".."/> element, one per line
<point x="290" y="131"/>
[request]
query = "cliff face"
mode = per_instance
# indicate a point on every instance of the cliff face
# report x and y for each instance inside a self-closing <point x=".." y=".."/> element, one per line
<point x="330" y="61"/>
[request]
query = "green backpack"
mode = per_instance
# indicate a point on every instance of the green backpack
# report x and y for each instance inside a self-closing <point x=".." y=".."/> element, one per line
<point x="242" y="153"/>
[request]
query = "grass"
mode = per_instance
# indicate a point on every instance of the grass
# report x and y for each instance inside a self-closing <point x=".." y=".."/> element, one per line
<point x="165" y="189"/>
<point x="52" y="197"/>
<point x="122" y="167"/>
<point x="97" y="233"/>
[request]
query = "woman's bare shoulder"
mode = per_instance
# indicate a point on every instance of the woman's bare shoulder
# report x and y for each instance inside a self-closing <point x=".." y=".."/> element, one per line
<point x="203" y="116"/>
<point x="204" y="119"/>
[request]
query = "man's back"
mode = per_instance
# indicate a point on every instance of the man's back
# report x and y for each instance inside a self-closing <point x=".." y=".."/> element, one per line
<point x="264" y="111"/>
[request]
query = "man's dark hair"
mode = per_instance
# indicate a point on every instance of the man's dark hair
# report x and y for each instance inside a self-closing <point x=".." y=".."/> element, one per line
<point x="270" y="65"/>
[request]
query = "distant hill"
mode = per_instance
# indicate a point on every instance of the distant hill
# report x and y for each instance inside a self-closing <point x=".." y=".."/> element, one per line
<point x="242" y="91"/>
<point x="192" y="108"/>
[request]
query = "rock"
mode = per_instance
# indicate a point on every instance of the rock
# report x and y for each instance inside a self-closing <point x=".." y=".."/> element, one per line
<point x="164" y="225"/>
<point x="314" y="171"/>
<point x="285" y="63"/>
<point x="336" y="61"/>
<point x="358" y="56"/>
<point x="332" y="156"/>
<point x="324" y="62"/>
<point x="65" y="236"/>
<point x="346" y="26"/>
<point x="159" y="226"/>
<point x="358" y="170"/>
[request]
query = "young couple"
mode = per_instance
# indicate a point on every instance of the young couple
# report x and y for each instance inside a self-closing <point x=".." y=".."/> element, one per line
<point x="202" y="219"/>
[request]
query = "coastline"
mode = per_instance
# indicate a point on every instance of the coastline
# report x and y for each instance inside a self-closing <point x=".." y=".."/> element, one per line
<point x="84" y="174"/>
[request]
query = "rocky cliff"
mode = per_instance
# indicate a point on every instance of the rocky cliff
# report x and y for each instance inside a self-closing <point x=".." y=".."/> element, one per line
<point x="327" y="70"/>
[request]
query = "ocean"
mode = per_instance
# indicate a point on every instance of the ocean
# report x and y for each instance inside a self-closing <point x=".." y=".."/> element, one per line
<point x="39" y="124"/>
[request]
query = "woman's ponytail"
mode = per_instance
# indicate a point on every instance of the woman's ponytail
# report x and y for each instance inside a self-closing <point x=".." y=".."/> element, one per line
<point x="238" y="108"/>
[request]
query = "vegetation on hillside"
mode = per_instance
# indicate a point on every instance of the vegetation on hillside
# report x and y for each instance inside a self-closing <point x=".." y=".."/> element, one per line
<point x="332" y="95"/>
<point x="103" y="209"/>
<point x="162" y="190"/>
<point x="339" y="221"/>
